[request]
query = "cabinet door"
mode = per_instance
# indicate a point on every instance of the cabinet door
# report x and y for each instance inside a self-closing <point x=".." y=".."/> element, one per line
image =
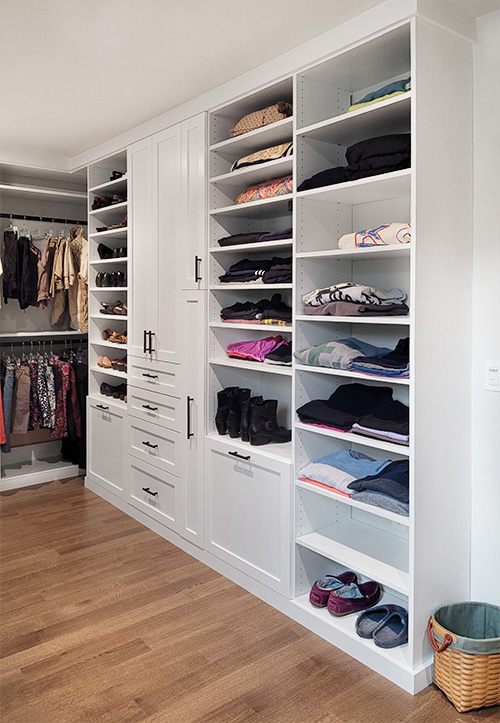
<point x="193" y="269"/>
<point x="248" y="513"/>
<point x="106" y="446"/>
<point x="191" y="491"/>
<point x="143" y="303"/>
<point x="167" y="212"/>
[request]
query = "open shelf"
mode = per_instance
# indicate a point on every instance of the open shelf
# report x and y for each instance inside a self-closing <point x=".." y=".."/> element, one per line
<point x="248" y="286"/>
<point x="254" y="366"/>
<point x="364" y="190"/>
<point x="350" y="375"/>
<point x="265" y="208"/>
<point x="274" y="451"/>
<point x="351" y="438"/>
<point x="253" y="327"/>
<point x="117" y="233"/>
<point x="391" y="320"/>
<point x="361" y="253"/>
<point x="372" y="552"/>
<point x="258" y="173"/>
<point x="117" y="186"/>
<point x="244" y="248"/>
<point x="271" y="135"/>
<point x="110" y="210"/>
<point x="109" y="372"/>
<point x="104" y="262"/>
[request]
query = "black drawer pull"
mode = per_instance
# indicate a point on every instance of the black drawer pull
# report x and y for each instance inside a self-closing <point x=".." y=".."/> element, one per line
<point x="150" y="492"/>
<point x="101" y="406"/>
<point x="151" y="409"/>
<point x="189" y="432"/>
<point x="150" y="376"/>
<point x="197" y="262"/>
<point x="148" y="444"/>
<point x="145" y="347"/>
<point x="151" y="334"/>
<point x="240" y="456"/>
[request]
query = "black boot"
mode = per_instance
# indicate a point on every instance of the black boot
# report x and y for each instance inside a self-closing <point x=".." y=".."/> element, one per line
<point x="264" y="424"/>
<point x="223" y="409"/>
<point x="234" y="416"/>
<point x="246" y="406"/>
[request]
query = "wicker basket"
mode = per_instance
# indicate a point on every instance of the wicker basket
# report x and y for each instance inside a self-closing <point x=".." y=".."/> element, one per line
<point x="465" y="638"/>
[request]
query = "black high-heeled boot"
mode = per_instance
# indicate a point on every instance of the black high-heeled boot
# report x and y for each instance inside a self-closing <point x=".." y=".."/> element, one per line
<point x="223" y="409"/>
<point x="246" y="406"/>
<point x="234" y="416"/>
<point x="264" y="426"/>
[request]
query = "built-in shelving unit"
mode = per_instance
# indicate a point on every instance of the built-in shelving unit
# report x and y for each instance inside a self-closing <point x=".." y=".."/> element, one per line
<point x="102" y="184"/>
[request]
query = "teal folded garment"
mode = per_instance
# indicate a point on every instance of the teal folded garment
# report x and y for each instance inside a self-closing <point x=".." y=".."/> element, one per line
<point x="398" y="86"/>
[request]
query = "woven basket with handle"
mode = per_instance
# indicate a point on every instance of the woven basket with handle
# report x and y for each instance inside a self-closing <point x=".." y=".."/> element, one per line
<point x="467" y="669"/>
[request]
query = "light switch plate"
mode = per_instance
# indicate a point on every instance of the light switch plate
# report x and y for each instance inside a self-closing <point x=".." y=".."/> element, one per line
<point x="492" y="376"/>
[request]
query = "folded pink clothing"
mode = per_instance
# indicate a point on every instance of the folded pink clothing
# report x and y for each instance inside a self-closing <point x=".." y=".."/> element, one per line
<point x="326" y="487"/>
<point x="324" y="426"/>
<point x="255" y="349"/>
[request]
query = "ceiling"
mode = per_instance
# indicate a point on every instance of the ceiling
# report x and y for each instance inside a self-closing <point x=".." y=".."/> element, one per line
<point x="75" y="73"/>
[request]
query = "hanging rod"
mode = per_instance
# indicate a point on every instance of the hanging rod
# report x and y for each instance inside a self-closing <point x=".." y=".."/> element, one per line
<point x="42" y="219"/>
<point x="42" y="342"/>
<point x="40" y="336"/>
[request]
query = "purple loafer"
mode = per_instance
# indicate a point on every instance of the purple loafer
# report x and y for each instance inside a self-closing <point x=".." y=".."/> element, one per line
<point x="320" y="591"/>
<point x="353" y="597"/>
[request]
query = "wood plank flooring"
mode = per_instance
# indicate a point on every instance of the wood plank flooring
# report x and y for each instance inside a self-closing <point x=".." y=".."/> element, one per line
<point x="102" y="620"/>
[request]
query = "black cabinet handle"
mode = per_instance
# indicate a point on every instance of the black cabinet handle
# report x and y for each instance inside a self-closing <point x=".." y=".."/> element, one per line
<point x="145" y="348"/>
<point x="189" y="432"/>
<point x="150" y="348"/>
<point x="197" y="262"/>
<point x="240" y="456"/>
<point x="101" y="406"/>
<point x="150" y="492"/>
<point x="150" y="376"/>
<point x="151" y="409"/>
<point x="148" y="444"/>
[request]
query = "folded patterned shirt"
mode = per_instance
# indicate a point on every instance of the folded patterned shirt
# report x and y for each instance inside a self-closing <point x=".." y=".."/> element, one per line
<point x="353" y="293"/>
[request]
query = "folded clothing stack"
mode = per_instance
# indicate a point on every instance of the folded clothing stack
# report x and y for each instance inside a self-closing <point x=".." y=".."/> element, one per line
<point x="267" y="271"/>
<point x="370" y="157"/>
<point x="350" y="299"/>
<point x="256" y="350"/>
<point x="365" y="410"/>
<point x="352" y="474"/>
<point x="394" y="364"/>
<point x="239" y="239"/>
<point x="265" y="311"/>
<point x="384" y="235"/>
<point x="387" y="91"/>
<point x="267" y="189"/>
<point x="264" y="156"/>
<point x="338" y="354"/>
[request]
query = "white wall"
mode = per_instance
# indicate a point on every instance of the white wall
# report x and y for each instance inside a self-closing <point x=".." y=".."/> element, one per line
<point x="485" y="512"/>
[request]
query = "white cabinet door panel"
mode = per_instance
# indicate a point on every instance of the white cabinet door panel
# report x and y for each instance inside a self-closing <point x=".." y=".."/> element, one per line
<point x="192" y="265"/>
<point x="154" y="492"/>
<point x="106" y="445"/>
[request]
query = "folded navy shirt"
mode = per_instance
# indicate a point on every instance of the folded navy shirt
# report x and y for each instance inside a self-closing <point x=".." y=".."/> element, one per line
<point x="345" y="406"/>
<point x="393" y="480"/>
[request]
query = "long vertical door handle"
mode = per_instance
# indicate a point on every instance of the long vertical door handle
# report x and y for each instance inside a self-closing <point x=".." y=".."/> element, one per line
<point x="189" y="432"/>
<point x="145" y="349"/>
<point x="151" y="334"/>
<point x="197" y="262"/>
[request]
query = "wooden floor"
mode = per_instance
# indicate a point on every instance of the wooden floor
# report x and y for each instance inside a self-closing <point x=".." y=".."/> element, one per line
<point x="102" y="620"/>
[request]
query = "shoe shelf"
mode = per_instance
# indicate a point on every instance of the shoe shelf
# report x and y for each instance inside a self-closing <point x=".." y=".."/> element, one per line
<point x="350" y="375"/>
<point x="281" y="369"/>
<point x="109" y="372"/>
<point x="115" y="234"/>
<point x="388" y="116"/>
<point x="109" y="344"/>
<point x="335" y="497"/>
<point x="346" y="625"/>
<point x="118" y="186"/>
<point x="114" y="209"/>
<point x="107" y="317"/>
<point x="367" y="550"/>
<point x="359" y="439"/>
<point x="108" y="288"/>
<point x="243" y="249"/>
<point x="273" y="451"/>
<point x="108" y="401"/>
<point x="105" y="262"/>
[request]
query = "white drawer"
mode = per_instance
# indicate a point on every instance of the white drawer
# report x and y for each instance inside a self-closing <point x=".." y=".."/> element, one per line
<point x="248" y="509"/>
<point x="159" y="376"/>
<point x="105" y="444"/>
<point x="160" y="409"/>
<point x="154" y="492"/>
<point x="157" y="445"/>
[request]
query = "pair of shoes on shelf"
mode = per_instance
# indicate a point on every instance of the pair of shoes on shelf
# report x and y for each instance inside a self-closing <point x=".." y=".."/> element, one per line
<point x="251" y="418"/>
<point x="118" y="307"/>
<point x="118" y="392"/>
<point x="118" y="198"/>
<point x="116" y="175"/>
<point x="101" y="202"/>
<point x="111" y="279"/>
<point x="119" y="365"/>
<point x="343" y="595"/>
<point x="107" y="253"/>
<point x="114" y="336"/>
<point x="122" y="224"/>
<point x="386" y="625"/>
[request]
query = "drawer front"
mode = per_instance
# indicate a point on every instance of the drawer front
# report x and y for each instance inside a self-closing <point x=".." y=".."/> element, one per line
<point x="106" y="445"/>
<point x="157" y="408"/>
<point x="160" y="447"/>
<point x="157" y="376"/>
<point x="248" y="515"/>
<point x="154" y="492"/>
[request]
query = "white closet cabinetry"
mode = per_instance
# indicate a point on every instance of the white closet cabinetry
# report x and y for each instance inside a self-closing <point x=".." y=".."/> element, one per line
<point x="105" y="464"/>
<point x="168" y="222"/>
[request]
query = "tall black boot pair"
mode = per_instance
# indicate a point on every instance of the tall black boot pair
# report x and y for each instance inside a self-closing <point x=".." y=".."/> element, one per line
<point x="252" y="418"/>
